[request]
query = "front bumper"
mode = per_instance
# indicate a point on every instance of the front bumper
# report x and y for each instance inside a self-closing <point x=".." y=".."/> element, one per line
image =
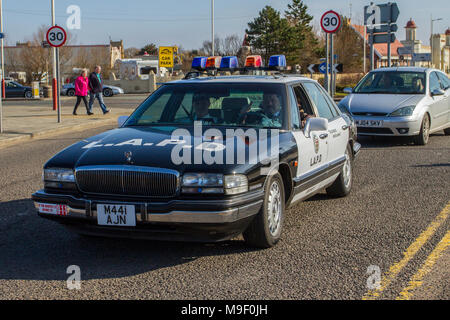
<point x="201" y="220"/>
<point x="391" y="126"/>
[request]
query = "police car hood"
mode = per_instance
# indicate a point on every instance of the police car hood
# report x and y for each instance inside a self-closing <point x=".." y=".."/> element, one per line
<point x="153" y="147"/>
<point x="383" y="103"/>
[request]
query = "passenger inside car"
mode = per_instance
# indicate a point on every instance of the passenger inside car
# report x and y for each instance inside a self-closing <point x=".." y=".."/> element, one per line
<point x="417" y="84"/>
<point x="201" y="104"/>
<point x="269" y="114"/>
<point x="303" y="105"/>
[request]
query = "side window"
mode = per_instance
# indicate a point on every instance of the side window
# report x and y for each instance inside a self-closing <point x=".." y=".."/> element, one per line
<point x="319" y="100"/>
<point x="303" y="102"/>
<point x="434" y="82"/>
<point x="331" y="103"/>
<point x="295" y="117"/>
<point x="445" y="82"/>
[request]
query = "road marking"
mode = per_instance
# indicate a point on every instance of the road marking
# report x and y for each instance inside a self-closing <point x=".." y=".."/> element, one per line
<point x="417" y="279"/>
<point x="395" y="269"/>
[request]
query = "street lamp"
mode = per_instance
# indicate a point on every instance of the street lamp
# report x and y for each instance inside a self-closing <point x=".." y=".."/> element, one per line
<point x="431" y="39"/>
<point x="212" y="26"/>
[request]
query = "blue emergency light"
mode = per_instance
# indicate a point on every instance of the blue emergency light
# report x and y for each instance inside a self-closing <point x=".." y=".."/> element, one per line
<point x="277" y="62"/>
<point x="230" y="62"/>
<point x="199" y="63"/>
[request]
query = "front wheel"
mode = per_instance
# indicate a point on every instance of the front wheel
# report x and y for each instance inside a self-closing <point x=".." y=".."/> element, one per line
<point x="343" y="183"/>
<point x="447" y="131"/>
<point x="424" y="135"/>
<point x="28" y="94"/>
<point x="265" y="229"/>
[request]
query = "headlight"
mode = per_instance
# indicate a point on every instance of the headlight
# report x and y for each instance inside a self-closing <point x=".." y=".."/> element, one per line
<point x="403" y="112"/>
<point x="59" y="175"/>
<point x="214" y="183"/>
<point x="235" y="184"/>
<point x="202" y="183"/>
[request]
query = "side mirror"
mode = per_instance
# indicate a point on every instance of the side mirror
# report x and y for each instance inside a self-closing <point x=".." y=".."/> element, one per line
<point x="122" y="120"/>
<point x="315" y="124"/>
<point x="437" y="92"/>
<point x="348" y="90"/>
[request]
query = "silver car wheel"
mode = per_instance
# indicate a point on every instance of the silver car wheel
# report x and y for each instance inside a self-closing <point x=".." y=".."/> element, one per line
<point x="426" y="128"/>
<point x="274" y="208"/>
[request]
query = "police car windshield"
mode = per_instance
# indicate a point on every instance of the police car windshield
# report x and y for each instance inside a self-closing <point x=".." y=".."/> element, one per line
<point x="259" y="105"/>
<point x="393" y="82"/>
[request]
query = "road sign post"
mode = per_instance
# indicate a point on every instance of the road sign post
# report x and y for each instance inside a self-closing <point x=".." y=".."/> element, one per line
<point x="56" y="37"/>
<point x="330" y="23"/>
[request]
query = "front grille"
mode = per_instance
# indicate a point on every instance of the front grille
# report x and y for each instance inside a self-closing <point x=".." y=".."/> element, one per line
<point x="370" y="114"/>
<point x="128" y="181"/>
<point x="375" y="130"/>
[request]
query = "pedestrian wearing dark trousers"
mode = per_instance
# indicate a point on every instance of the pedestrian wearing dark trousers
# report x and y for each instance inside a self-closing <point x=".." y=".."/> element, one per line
<point x="81" y="91"/>
<point x="96" y="89"/>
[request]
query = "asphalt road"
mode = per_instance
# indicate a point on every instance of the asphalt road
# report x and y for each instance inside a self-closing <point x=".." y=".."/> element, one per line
<point x="327" y="246"/>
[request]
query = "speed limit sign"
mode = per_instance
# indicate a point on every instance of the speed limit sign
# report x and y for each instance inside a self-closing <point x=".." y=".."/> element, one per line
<point x="330" y="22"/>
<point x="56" y="36"/>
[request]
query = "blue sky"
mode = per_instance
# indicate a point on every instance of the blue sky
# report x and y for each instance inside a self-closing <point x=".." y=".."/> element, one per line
<point x="187" y="22"/>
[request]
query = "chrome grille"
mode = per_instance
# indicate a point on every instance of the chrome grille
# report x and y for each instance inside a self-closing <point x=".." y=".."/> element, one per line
<point x="128" y="180"/>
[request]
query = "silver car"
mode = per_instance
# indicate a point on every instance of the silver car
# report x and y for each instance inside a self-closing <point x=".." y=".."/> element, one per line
<point x="403" y="101"/>
<point x="108" y="91"/>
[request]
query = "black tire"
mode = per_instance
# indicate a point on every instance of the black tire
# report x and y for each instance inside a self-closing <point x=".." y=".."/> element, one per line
<point x="342" y="186"/>
<point x="447" y="131"/>
<point x="71" y="92"/>
<point x="258" y="233"/>
<point x="28" y="94"/>
<point x="424" y="135"/>
<point x="107" y="92"/>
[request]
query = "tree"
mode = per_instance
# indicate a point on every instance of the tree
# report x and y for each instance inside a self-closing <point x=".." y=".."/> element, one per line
<point x="269" y="34"/>
<point x="349" y="46"/>
<point x="151" y="49"/>
<point x="300" y="22"/>
<point x="131" y="52"/>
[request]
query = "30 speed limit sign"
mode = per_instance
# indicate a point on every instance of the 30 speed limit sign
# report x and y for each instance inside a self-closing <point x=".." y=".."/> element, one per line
<point x="330" y="22"/>
<point x="56" y="36"/>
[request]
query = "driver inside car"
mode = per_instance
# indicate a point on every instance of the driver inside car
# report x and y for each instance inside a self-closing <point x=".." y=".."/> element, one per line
<point x="268" y="116"/>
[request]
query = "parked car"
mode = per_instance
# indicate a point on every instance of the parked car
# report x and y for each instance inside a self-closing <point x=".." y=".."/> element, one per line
<point x="15" y="90"/>
<point x="403" y="101"/>
<point x="108" y="91"/>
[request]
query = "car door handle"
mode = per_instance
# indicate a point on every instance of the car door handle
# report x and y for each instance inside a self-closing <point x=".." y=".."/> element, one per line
<point x="323" y="136"/>
<point x="345" y="127"/>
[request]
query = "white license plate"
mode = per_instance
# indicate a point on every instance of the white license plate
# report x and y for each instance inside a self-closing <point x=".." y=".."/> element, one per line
<point x="369" y="123"/>
<point x="116" y="215"/>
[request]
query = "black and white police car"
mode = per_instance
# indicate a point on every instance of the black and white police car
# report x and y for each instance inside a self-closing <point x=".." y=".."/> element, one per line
<point x="206" y="159"/>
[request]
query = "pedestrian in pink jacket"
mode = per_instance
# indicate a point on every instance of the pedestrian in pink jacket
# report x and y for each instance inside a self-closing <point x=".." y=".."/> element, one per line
<point x="81" y="91"/>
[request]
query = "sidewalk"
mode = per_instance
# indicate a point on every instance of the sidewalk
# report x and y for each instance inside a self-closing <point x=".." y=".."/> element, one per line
<point x="25" y="120"/>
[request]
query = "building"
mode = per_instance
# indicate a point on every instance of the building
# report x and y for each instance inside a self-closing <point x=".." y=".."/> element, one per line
<point x="381" y="50"/>
<point x="440" y="44"/>
<point x="414" y="46"/>
<point x="33" y="59"/>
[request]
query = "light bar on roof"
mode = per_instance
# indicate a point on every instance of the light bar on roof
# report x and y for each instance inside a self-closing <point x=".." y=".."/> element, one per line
<point x="277" y="62"/>
<point x="199" y="63"/>
<point x="253" y="62"/>
<point x="230" y="62"/>
<point x="213" y="62"/>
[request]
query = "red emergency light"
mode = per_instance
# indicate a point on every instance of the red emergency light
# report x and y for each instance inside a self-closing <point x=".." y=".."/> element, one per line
<point x="253" y="62"/>
<point x="213" y="62"/>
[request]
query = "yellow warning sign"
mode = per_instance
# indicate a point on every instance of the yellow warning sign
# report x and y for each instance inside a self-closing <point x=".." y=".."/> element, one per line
<point x="166" y="57"/>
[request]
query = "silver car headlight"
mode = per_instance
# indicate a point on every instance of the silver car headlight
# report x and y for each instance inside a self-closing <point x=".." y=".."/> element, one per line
<point x="59" y="175"/>
<point x="403" y="112"/>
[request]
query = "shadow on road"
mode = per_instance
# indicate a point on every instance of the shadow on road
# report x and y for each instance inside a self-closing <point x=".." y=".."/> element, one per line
<point x="32" y="248"/>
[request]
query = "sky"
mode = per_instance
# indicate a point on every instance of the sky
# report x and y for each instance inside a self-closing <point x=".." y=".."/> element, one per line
<point x="188" y="22"/>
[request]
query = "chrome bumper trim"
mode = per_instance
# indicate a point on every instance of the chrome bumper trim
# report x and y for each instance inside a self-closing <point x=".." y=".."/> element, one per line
<point x="225" y="216"/>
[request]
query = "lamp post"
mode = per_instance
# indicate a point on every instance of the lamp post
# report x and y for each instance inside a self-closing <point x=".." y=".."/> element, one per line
<point x="431" y="39"/>
<point x="212" y="27"/>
